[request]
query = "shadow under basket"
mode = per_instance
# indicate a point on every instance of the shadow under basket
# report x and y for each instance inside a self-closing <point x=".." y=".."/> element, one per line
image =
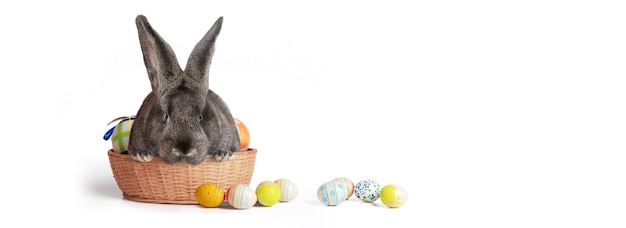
<point x="159" y="182"/>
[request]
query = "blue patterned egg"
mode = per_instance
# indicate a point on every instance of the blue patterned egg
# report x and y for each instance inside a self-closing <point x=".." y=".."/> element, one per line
<point x="332" y="193"/>
<point x="367" y="190"/>
<point x="349" y="186"/>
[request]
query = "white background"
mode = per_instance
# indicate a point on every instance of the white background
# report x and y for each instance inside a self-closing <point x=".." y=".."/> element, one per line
<point x="490" y="114"/>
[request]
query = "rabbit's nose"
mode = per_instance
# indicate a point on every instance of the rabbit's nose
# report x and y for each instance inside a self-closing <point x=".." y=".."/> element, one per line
<point x="183" y="146"/>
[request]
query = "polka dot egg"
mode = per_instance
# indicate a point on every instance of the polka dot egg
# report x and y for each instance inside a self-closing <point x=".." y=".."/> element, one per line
<point x="367" y="190"/>
<point x="332" y="193"/>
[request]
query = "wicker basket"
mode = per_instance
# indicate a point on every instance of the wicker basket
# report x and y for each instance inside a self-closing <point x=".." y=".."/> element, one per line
<point x="159" y="182"/>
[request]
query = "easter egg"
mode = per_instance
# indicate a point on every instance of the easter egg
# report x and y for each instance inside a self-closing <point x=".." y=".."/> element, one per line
<point x="210" y="195"/>
<point x="367" y="190"/>
<point x="241" y="196"/>
<point x="288" y="190"/>
<point x="121" y="135"/>
<point x="244" y="135"/>
<point x="331" y="193"/>
<point x="268" y="193"/>
<point x="349" y="186"/>
<point x="393" y="196"/>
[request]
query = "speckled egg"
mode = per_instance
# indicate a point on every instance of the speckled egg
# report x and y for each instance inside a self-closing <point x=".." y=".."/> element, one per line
<point x="121" y="135"/>
<point x="288" y="190"/>
<point x="241" y="196"/>
<point x="349" y="186"/>
<point x="332" y="193"/>
<point x="367" y="190"/>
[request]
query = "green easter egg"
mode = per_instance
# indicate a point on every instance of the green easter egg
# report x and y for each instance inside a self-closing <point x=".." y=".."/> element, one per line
<point x="121" y="136"/>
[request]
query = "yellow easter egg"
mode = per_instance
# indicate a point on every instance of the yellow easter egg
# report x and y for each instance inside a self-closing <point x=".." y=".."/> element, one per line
<point x="268" y="193"/>
<point x="210" y="195"/>
<point x="393" y="196"/>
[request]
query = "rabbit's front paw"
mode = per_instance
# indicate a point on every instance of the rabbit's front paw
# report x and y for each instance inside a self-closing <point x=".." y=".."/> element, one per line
<point x="223" y="155"/>
<point x="195" y="157"/>
<point x="141" y="156"/>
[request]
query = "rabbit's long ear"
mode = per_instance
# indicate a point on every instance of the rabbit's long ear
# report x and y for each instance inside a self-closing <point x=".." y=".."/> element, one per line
<point x="197" y="69"/>
<point x="159" y="58"/>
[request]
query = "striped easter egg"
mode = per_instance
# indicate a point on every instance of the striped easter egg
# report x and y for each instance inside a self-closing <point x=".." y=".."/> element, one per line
<point x="332" y="193"/>
<point x="241" y="196"/>
<point x="288" y="190"/>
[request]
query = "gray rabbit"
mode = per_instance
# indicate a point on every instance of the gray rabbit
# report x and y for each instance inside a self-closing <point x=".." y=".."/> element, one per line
<point x="181" y="119"/>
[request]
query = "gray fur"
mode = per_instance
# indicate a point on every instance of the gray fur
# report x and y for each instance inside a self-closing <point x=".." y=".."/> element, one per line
<point x="181" y="118"/>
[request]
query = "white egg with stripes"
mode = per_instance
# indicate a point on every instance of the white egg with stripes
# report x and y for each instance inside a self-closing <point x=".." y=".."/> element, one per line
<point x="288" y="190"/>
<point x="241" y="196"/>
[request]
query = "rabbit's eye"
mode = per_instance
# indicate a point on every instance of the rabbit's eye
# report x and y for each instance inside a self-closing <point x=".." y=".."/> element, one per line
<point x="166" y="117"/>
<point x="200" y="117"/>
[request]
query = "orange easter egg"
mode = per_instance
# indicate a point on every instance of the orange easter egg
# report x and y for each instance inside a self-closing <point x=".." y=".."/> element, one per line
<point x="244" y="135"/>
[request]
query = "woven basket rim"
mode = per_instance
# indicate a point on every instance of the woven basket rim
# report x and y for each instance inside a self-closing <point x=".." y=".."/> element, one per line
<point x="158" y="159"/>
